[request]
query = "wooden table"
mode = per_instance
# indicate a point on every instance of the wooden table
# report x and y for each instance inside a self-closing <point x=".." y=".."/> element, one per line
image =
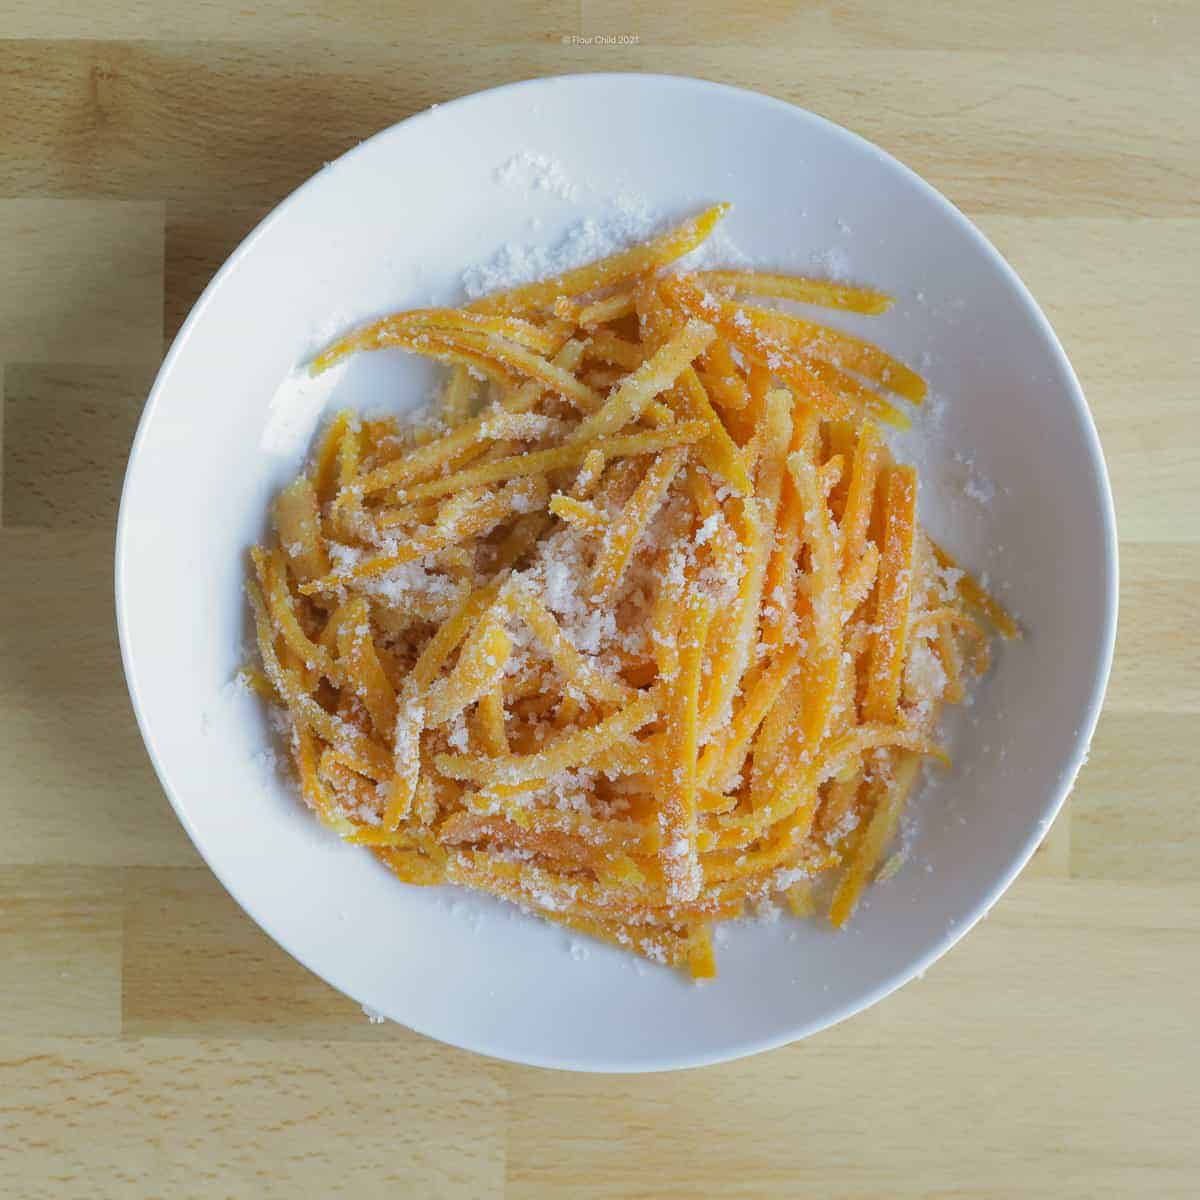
<point x="154" y="1042"/>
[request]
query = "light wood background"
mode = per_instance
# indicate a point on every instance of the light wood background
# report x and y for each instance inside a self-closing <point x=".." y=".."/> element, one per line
<point x="154" y="1043"/>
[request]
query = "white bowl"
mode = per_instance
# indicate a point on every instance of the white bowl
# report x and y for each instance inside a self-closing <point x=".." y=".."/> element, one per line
<point x="393" y="224"/>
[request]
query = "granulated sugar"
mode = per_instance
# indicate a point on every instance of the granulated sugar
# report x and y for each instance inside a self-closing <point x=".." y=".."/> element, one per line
<point x="833" y="263"/>
<point x="625" y="222"/>
<point x="559" y="567"/>
<point x="976" y="486"/>
<point x="294" y="410"/>
<point x="535" y="172"/>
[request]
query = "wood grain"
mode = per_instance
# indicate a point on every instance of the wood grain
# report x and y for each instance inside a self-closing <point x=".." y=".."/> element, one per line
<point x="192" y="959"/>
<point x="114" y="119"/>
<point x="1111" y="286"/>
<point x="75" y="784"/>
<point x="155" y="1042"/>
<point x="932" y="25"/>
<point x="1159" y="653"/>
<point x="83" y="280"/>
<point x="1135" y="812"/>
<point x="61" y="942"/>
<point x="187" y="1117"/>
<point x="834" y="1116"/>
<point x="70" y="426"/>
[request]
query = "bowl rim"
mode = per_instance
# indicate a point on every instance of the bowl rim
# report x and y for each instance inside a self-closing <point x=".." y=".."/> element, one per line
<point x="734" y="1048"/>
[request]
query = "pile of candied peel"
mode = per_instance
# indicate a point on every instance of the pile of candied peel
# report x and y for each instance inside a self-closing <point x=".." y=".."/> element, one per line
<point x="641" y="631"/>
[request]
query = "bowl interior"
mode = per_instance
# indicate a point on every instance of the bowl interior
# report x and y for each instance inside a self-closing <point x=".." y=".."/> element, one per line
<point x="1012" y="481"/>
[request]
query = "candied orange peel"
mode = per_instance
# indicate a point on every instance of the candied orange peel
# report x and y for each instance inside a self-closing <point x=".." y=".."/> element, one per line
<point x="641" y="631"/>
